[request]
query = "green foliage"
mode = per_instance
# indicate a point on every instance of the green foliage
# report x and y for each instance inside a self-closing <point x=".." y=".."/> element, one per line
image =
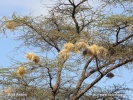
<point x="114" y="21"/>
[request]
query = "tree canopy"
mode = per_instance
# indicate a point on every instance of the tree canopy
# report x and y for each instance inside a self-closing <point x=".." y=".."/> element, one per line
<point x="80" y="44"/>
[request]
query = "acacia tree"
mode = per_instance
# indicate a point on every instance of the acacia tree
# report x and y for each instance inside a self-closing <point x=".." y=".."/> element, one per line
<point x="63" y="74"/>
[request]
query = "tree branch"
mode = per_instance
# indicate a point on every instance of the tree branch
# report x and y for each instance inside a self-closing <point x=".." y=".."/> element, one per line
<point x="100" y="77"/>
<point x="55" y="87"/>
<point x="50" y="81"/>
<point x="126" y="38"/>
<point x="97" y="65"/>
<point x="100" y="67"/>
<point x="81" y="2"/>
<point x="71" y="2"/>
<point x="42" y="36"/>
<point x="82" y="77"/>
<point x="117" y="34"/>
<point x="74" y="19"/>
<point x="84" y="25"/>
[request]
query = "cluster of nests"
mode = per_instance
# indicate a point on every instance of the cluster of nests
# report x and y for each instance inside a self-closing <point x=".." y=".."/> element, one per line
<point x="82" y="45"/>
<point x="32" y="57"/>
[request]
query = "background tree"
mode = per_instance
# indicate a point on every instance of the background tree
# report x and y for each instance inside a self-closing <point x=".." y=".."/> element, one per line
<point x="96" y="43"/>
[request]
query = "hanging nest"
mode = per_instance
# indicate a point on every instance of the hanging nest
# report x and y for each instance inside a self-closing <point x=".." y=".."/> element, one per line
<point x="10" y="25"/>
<point x="8" y="90"/>
<point x="21" y="71"/>
<point x="110" y="75"/>
<point x="87" y="52"/>
<point x="63" y="55"/>
<point x="69" y="46"/>
<point x="95" y="50"/>
<point x="80" y="45"/>
<point x="36" y="60"/>
<point x="30" y="56"/>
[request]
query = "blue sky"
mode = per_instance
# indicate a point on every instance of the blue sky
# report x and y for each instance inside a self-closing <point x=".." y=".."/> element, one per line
<point x="35" y="7"/>
<point x="21" y="7"/>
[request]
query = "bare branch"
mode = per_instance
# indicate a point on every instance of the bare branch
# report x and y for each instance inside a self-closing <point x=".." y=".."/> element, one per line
<point x="100" y="67"/>
<point x="123" y="40"/>
<point x="74" y="19"/>
<point x="50" y="77"/>
<point x="118" y="31"/>
<point x="81" y="2"/>
<point x="58" y="79"/>
<point x="72" y="2"/>
<point x="100" y="77"/>
<point x="82" y="77"/>
<point x="74" y="14"/>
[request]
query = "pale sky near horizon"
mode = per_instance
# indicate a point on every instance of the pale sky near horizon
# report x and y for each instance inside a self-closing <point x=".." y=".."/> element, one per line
<point x="23" y="7"/>
<point x="35" y="7"/>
